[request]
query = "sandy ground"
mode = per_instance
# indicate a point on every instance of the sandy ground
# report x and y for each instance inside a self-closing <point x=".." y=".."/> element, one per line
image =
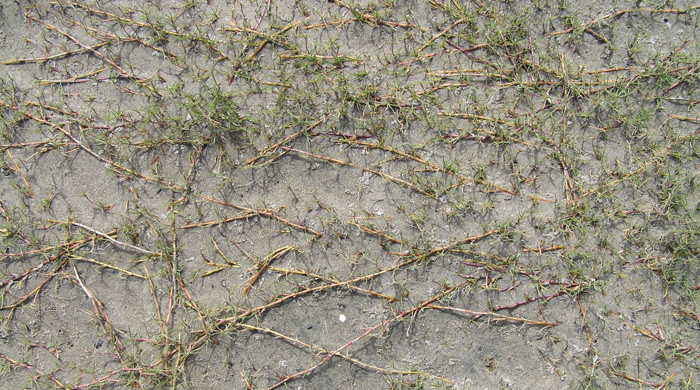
<point x="349" y="194"/>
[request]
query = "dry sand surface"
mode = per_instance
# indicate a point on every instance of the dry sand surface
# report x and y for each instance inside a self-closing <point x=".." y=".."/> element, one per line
<point x="389" y="194"/>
